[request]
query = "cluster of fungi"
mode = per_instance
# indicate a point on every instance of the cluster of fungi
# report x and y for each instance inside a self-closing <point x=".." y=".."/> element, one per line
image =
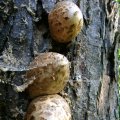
<point x="51" y="70"/>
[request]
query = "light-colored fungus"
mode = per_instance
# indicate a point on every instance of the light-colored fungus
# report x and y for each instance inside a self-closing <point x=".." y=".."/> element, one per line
<point x="49" y="107"/>
<point x="65" y="21"/>
<point x="50" y="72"/>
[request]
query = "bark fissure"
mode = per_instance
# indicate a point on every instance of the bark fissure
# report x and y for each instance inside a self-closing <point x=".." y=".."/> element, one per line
<point x="88" y="103"/>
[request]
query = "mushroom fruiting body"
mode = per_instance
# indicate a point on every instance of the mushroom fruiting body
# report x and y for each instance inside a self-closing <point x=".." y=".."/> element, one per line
<point x="50" y="72"/>
<point x="50" y="107"/>
<point x="65" y="21"/>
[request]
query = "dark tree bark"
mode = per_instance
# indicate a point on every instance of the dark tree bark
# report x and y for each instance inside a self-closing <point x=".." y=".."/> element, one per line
<point x="92" y="88"/>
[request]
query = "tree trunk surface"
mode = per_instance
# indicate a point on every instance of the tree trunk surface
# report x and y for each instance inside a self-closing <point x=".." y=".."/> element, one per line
<point x="92" y="88"/>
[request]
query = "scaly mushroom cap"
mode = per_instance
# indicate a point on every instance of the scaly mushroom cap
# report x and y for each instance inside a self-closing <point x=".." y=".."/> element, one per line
<point x="50" y="107"/>
<point x="65" y="21"/>
<point x="50" y="72"/>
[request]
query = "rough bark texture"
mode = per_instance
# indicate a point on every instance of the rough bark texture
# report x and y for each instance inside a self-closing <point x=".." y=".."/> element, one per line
<point x="24" y="32"/>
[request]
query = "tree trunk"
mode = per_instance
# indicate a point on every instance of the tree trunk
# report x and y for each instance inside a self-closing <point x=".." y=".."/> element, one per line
<point x="92" y="88"/>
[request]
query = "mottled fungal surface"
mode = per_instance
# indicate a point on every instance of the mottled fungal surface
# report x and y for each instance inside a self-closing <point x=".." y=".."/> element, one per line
<point x="49" y="72"/>
<point x="50" y="107"/>
<point x="65" y="21"/>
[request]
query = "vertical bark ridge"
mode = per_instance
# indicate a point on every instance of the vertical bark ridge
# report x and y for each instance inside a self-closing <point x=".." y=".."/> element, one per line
<point x="94" y="63"/>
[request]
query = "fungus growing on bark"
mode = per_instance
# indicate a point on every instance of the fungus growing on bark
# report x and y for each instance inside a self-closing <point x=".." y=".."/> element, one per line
<point x="50" y="107"/>
<point x="65" y="21"/>
<point x="50" y="72"/>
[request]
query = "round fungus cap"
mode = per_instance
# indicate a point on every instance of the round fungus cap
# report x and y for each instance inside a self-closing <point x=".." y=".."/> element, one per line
<point x="49" y="107"/>
<point x="65" y="21"/>
<point x="50" y="72"/>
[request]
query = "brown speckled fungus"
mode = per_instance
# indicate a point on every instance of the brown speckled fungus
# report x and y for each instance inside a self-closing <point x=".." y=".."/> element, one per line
<point x="65" y="21"/>
<point x="50" y="72"/>
<point x="50" y="107"/>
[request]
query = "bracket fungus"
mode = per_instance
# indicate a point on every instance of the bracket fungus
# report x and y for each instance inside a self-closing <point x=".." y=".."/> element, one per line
<point x="50" y="107"/>
<point x="50" y="72"/>
<point x="65" y="21"/>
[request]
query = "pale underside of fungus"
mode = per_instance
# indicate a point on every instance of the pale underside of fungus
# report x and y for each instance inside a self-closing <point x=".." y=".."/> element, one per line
<point x="50" y="107"/>
<point x="48" y="74"/>
<point x="65" y="21"/>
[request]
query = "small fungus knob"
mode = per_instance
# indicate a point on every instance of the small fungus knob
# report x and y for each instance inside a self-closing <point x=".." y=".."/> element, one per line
<point x="65" y="21"/>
